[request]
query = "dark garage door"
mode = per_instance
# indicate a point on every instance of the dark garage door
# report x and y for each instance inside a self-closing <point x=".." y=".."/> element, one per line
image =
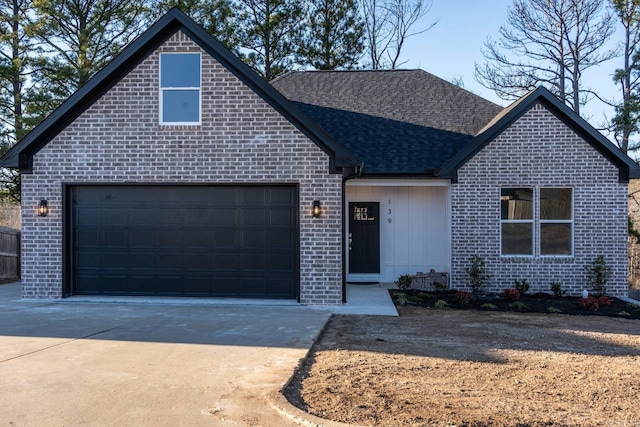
<point x="227" y="241"/>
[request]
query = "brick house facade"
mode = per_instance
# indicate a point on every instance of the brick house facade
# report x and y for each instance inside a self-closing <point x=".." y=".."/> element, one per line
<point x="429" y="163"/>
<point x="527" y="154"/>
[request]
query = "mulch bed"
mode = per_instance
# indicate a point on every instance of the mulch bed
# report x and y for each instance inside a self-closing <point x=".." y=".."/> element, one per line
<point x="527" y="303"/>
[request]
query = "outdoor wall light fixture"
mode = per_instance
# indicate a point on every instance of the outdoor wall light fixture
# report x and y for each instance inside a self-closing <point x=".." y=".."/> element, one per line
<point x="316" y="208"/>
<point x="43" y="208"/>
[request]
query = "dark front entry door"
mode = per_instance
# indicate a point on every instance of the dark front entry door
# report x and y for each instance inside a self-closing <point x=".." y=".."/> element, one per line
<point x="364" y="237"/>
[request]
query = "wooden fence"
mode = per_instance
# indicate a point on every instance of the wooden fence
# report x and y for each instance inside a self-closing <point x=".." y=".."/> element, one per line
<point x="9" y="254"/>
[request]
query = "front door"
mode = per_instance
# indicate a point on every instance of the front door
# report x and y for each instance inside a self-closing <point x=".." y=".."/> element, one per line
<point x="364" y="237"/>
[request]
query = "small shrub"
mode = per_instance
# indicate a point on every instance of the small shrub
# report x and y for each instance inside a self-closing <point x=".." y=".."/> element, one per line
<point x="598" y="274"/>
<point x="589" y="303"/>
<point x="441" y="304"/>
<point x="439" y="286"/>
<point x="518" y="306"/>
<point x="488" y="306"/>
<point x="557" y="290"/>
<point x="479" y="278"/>
<point x="415" y="298"/>
<point x="400" y="298"/>
<point x="462" y="297"/>
<point x="624" y="313"/>
<point x="511" y="294"/>
<point x="522" y="286"/>
<point x="404" y="282"/>
<point x="551" y="309"/>
<point x="604" y="301"/>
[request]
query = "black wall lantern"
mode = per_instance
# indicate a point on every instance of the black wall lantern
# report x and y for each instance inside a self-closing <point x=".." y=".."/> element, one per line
<point x="316" y="208"/>
<point x="43" y="208"/>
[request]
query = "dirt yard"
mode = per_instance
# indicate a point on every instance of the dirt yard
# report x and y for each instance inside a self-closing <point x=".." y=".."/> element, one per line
<point x="450" y="368"/>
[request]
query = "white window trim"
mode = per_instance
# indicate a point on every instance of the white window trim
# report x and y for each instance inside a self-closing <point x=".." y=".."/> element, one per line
<point x="536" y="221"/>
<point x="531" y="221"/>
<point x="557" y="221"/>
<point x="163" y="89"/>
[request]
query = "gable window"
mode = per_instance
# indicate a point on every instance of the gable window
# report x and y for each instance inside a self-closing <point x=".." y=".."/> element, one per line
<point x="556" y="221"/>
<point x="180" y="83"/>
<point x="516" y="205"/>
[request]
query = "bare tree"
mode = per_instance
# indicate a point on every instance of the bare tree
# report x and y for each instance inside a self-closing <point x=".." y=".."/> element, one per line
<point x="388" y="24"/>
<point x="547" y="43"/>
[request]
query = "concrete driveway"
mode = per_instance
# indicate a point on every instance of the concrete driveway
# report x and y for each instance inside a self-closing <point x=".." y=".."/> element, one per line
<point x="69" y="363"/>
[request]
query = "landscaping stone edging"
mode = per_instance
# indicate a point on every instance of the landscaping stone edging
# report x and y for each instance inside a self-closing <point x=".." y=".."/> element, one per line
<point x="280" y="403"/>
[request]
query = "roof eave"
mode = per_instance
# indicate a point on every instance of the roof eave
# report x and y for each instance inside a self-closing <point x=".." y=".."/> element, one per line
<point x="21" y="154"/>
<point x="626" y="166"/>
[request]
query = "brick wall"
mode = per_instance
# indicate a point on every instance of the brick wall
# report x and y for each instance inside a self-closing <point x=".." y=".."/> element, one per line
<point x="241" y="140"/>
<point x="538" y="150"/>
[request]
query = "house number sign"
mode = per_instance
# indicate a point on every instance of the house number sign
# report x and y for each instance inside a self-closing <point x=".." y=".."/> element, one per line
<point x="362" y="214"/>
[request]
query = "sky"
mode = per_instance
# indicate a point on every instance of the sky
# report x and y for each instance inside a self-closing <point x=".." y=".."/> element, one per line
<point x="452" y="48"/>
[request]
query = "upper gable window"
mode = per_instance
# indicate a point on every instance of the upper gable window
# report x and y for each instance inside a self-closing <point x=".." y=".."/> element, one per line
<point x="180" y="88"/>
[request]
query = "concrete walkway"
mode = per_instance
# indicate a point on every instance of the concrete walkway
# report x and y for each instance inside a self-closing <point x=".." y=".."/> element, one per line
<point x="140" y="363"/>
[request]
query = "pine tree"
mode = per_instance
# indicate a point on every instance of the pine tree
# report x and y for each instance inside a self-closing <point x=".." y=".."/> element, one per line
<point x="335" y="36"/>
<point x="217" y="17"/>
<point x="17" y="62"/>
<point x="271" y="31"/>
<point x="627" y="119"/>
<point x="79" y="37"/>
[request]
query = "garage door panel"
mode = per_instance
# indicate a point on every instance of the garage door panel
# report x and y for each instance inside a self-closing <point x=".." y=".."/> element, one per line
<point x="281" y="263"/>
<point x="88" y="260"/>
<point x="281" y="217"/>
<point x="224" y="262"/>
<point x="283" y="240"/>
<point x="168" y="216"/>
<point x="114" y="261"/>
<point x="89" y="217"/>
<point x="170" y="261"/>
<point x="166" y="282"/>
<point x="89" y="238"/>
<point x="280" y="286"/>
<point x="224" y="217"/>
<point x="281" y="195"/>
<point x="114" y="217"/>
<point x="225" y="238"/>
<point x="253" y="286"/>
<point x="253" y="217"/>
<point x="252" y="196"/>
<point x="197" y="216"/>
<point x="112" y="284"/>
<point x="253" y="239"/>
<point x="114" y="239"/>
<point x="185" y="241"/>
<point x="170" y="241"/>
<point x="142" y="284"/>
<point x="197" y="285"/>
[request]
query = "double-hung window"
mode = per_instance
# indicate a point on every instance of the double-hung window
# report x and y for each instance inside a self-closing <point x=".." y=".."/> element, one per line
<point x="516" y="206"/>
<point x="556" y="221"/>
<point x="180" y="84"/>
<point x="518" y="223"/>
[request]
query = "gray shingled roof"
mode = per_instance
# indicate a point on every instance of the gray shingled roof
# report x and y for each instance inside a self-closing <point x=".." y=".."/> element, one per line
<point x="395" y="121"/>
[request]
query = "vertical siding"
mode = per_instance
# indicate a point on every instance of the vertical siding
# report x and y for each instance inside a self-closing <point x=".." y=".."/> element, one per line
<point x="414" y="236"/>
<point x="538" y="150"/>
